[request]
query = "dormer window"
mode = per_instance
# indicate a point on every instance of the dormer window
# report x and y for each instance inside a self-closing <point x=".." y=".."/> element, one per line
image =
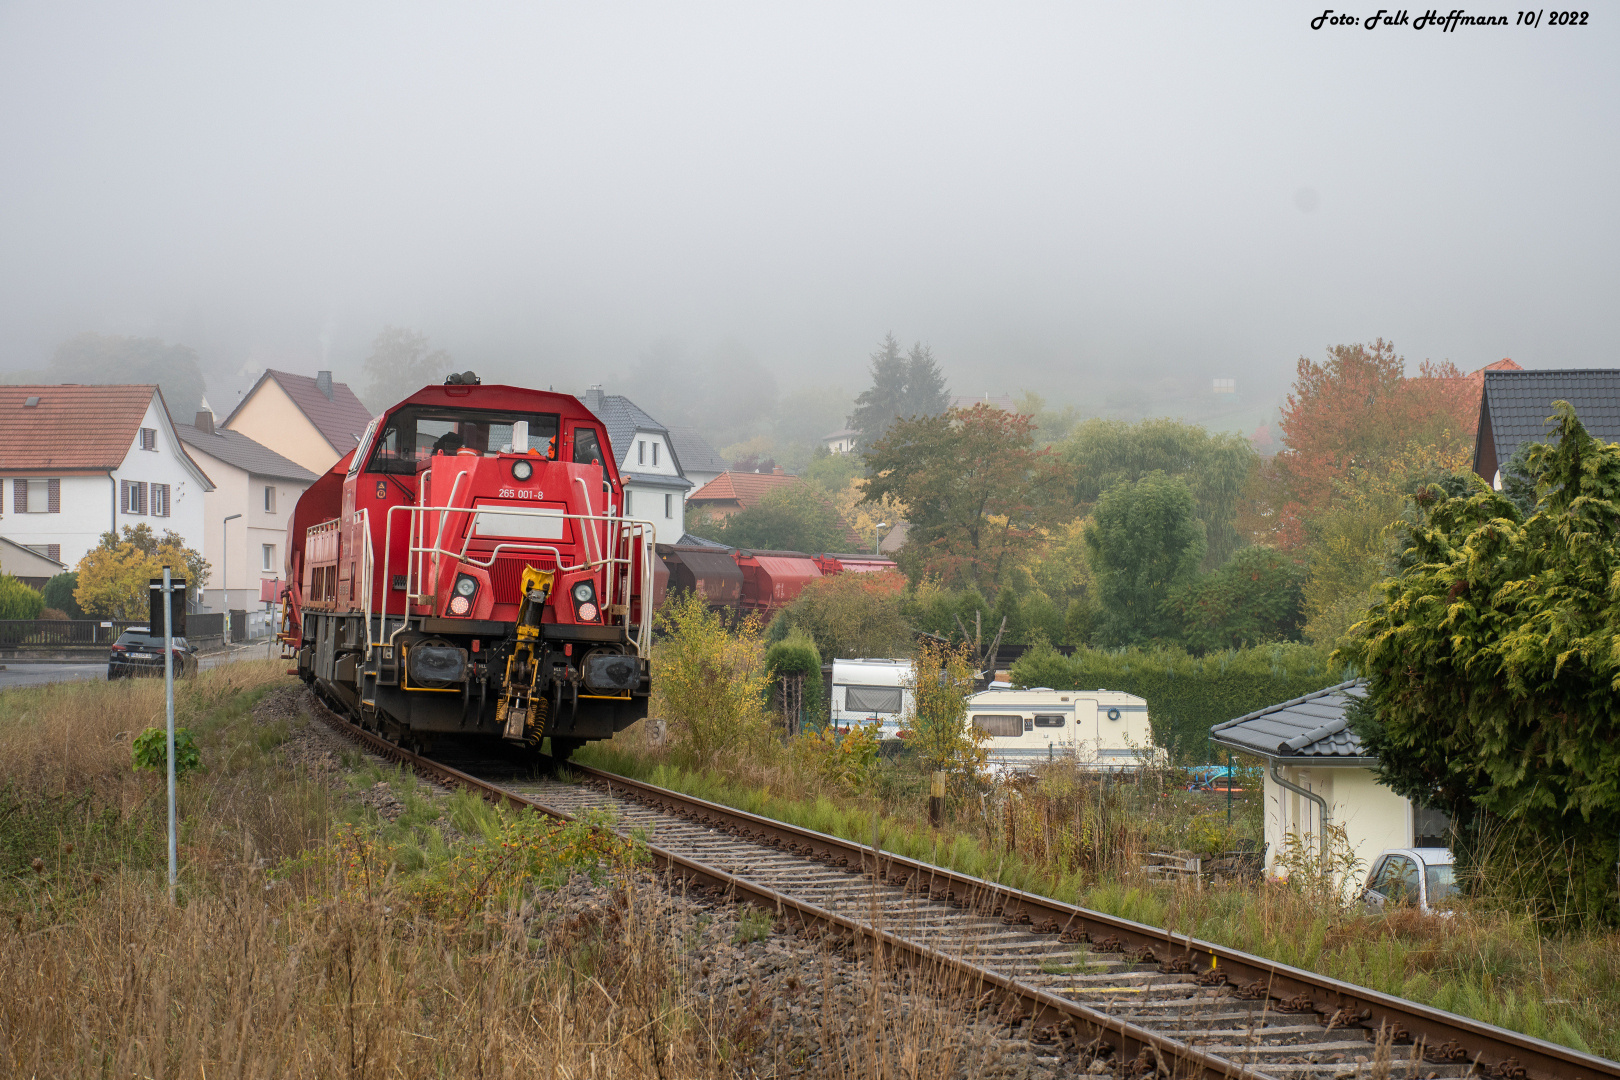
<point x="655" y="455"/>
<point x="641" y="452"/>
<point x="31" y="402"/>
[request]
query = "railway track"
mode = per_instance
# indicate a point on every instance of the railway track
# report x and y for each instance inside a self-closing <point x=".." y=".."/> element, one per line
<point x="1096" y="986"/>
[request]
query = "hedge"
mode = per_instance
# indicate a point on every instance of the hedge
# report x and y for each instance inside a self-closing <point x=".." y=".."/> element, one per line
<point x="796" y="654"/>
<point x="1186" y="695"/>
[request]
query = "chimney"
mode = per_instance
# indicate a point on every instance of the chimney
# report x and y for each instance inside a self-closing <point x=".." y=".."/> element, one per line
<point x="204" y="422"/>
<point x="323" y="383"/>
<point x="777" y="471"/>
<point x="593" y="398"/>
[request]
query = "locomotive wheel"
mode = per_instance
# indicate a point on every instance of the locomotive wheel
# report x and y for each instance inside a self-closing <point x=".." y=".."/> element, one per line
<point x="563" y="749"/>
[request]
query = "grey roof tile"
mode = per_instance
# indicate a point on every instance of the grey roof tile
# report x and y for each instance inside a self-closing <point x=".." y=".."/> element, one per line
<point x="694" y="452"/>
<point x="623" y="419"/>
<point x="234" y="448"/>
<point x="1312" y="726"/>
<point x="1519" y="403"/>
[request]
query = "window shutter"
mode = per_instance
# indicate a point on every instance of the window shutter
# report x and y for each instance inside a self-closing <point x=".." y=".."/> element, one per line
<point x="140" y="496"/>
<point x="19" y="496"/>
<point x="148" y="438"/>
<point x="55" y="497"/>
<point x="53" y="551"/>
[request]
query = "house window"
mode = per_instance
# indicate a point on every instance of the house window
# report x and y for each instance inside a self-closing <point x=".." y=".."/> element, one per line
<point x="36" y="496"/>
<point x="641" y="452"/>
<point x="270" y="500"/>
<point x="669" y="504"/>
<point x="160" y="500"/>
<point x="626" y="502"/>
<point x="148" y="438"/>
<point x="269" y="551"/>
<point x="655" y="455"/>
<point x="132" y="496"/>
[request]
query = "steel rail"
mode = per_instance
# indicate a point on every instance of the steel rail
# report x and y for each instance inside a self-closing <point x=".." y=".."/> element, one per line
<point x="1091" y="1028"/>
<point x="1441" y="1037"/>
<point x="1498" y="1051"/>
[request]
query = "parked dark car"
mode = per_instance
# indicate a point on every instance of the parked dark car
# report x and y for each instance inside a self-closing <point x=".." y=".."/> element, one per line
<point x="137" y="652"/>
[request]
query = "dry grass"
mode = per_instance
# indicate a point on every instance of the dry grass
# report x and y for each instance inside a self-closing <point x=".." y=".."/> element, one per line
<point x="281" y="961"/>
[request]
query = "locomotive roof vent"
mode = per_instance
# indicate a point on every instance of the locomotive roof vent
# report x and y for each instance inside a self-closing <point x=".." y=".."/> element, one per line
<point x="462" y="378"/>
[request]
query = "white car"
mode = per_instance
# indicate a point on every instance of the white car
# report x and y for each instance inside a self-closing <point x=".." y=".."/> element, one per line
<point x="1423" y="877"/>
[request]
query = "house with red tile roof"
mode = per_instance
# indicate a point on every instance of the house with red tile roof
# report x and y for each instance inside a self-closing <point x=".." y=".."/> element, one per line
<point x="310" y="421"/>
<point x="733" y="491"/>
<point x="78" y="461"/>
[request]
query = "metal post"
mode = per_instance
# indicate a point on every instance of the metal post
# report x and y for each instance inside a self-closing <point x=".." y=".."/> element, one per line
<point x="224" y="566"/>
<point x="936" y="800"/>
<point x="1229" y="790"/>
<point x="168" y="694"/>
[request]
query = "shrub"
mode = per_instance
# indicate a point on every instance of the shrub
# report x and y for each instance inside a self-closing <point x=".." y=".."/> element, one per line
<point x="796" y="654"/>
<point x="58" y="593"/>
<point x="18" y="601"/>
<point x="1186" y="695"/>
<point x="150" y="750"/>
<point x="941" y="681"/>
<point x="710" y="684"/>
<point x="852" y="615"/>
<point x="1255" y="598"/>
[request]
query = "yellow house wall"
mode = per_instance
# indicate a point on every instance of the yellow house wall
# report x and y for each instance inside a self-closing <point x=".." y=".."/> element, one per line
<point x="1373" y="816"/>
<point x="270" y="418"/>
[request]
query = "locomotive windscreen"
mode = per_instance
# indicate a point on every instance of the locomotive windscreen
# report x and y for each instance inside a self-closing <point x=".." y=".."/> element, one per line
<point x="416" y="432"/>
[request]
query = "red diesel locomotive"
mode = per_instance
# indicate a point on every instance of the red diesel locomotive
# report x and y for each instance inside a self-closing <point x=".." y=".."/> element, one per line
<point x="468" y="570"/>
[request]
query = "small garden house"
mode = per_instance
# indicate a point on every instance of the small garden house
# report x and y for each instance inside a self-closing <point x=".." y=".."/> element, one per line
<point x="1317" y="773"/>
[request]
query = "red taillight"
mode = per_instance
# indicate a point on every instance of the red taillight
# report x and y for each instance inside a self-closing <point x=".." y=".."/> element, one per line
<point x="117" y="648"/>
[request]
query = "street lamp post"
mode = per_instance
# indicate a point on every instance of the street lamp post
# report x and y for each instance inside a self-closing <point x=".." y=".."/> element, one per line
<point x="877" y="548"/>
<point x="224" y="564"/>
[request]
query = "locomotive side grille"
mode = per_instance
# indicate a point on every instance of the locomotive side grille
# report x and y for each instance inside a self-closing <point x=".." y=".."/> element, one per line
<point x="506" y="576"/>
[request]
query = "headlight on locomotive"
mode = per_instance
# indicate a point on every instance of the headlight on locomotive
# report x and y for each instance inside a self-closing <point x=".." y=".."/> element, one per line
<point x="522" y="470"/>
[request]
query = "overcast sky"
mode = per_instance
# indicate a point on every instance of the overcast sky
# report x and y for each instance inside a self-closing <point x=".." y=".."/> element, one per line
<point x="1055" y="197"/>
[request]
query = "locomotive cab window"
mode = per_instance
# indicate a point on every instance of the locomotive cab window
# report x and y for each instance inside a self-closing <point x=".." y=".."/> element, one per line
<point x="587" y="450"/>
<point x="407" y="440"/>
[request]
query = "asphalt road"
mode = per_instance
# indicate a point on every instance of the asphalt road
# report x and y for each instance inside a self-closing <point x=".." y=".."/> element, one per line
<point x="36" y="672"/>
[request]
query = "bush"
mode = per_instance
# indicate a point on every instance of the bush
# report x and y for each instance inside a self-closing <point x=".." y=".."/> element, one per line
<point x="58" y="594"/>
<point x="1255" y="598"/>
<point x="1186" y="695"/>
<point x="796" y="654"/>
<point x="18" y="601"/>
<point x="151" y="751"/>
<point x="851" y="615"/>
<point x="710" y="684"/>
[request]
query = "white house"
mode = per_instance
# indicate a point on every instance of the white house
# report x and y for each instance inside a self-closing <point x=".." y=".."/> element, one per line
<point x="256" y="488"/>
<point x="78" y="461"/>
<point x="1317" y="771"/>
<point x="655" y="489"/>
<point x="841" y="441"/>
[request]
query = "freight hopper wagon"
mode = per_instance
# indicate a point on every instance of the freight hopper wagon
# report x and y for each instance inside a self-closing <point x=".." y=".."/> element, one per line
<point x="467" y="571"/>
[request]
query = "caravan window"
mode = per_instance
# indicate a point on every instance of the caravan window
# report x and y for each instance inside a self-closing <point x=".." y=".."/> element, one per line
<point x="1049" y="721"/>
<point x="1000" y="727"/>
<point x="872" y="699"/>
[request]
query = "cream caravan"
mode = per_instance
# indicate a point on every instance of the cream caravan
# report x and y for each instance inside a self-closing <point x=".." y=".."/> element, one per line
<point x="1104" y="730"/>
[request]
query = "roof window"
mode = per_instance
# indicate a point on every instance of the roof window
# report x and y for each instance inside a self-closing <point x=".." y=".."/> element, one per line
<point x="31" y="402"/>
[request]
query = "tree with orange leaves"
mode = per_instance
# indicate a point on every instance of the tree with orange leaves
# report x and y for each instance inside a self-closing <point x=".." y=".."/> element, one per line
<point x="1354" y="413"/>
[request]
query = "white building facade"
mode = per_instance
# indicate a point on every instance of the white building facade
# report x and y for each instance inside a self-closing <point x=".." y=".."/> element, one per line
<point x="1316" y="773"/>
<point x="79" y="461"/>
<point x="246" y="515"/>
<point x="655" y="488"/>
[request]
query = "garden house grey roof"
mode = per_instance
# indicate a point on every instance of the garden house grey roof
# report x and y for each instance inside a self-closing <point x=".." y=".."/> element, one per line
<point x="1514" y="407"/>
<point x="1312" y="727"/>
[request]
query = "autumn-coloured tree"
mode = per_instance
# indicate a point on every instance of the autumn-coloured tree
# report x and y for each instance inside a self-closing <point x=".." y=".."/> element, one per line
<point x="113" y="576"/>
<point x="977" y="491"/>
<point x="1357" y="411"/>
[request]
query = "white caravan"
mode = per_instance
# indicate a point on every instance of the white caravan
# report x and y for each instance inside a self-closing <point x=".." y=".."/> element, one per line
<point x="1104" y="730"/>
<point x="868" y="690"/>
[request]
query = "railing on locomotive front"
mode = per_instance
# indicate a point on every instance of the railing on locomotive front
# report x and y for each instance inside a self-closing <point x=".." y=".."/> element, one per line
<point x="630" y="541"/>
